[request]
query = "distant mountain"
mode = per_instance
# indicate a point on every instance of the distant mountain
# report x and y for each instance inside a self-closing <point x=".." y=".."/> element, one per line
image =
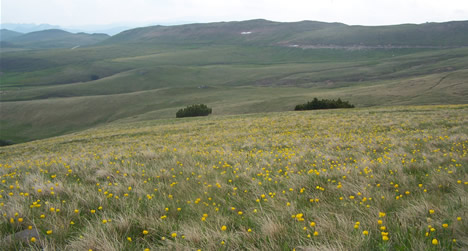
<point x="106" y="29"/>
<point x="252" y="31"/>
<point x="56" y="39"/>
<point x="301" y="34"/>
<point x="26" y="28"/>
<point x="428" y="34"/>
<point x="109" y="29"/>
<point x="8" y="34"/>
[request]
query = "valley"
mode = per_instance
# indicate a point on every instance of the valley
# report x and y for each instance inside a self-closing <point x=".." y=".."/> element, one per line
<point x="151" y="72"/>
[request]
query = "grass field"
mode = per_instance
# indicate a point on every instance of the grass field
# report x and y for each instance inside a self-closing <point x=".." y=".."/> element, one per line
<point x="151" y="72"/>
<point x="47" y="93"/>
<point x="389" y="178"/>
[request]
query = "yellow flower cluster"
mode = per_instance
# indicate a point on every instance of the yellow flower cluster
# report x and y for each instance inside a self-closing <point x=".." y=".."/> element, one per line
<point x="361" y="177"/>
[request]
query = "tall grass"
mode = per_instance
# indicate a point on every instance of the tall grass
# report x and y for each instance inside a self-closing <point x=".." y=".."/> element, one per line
<point x="367" y="179"/>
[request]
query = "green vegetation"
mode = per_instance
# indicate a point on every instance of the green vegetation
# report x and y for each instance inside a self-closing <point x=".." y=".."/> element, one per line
<point x="129" y="176"/>
<point x="47" y="39"/>
<point x="5" y="142"/>
<point x="263" y="32"/>
<point x="388" y="178"/>
<point x="8" y="34"/>
<point x="316" y="104"/>
<point x="51" y="92"/>
<point x="194" y="111"/>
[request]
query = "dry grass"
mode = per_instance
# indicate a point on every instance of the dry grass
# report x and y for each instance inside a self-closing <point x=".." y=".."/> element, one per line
<point x="265" y="177"/>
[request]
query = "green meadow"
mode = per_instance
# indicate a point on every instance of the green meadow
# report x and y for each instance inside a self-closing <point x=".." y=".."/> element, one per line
<point x="51" y="92"/>
<point x="99" y="161"/>
<point x="389" y="178"/>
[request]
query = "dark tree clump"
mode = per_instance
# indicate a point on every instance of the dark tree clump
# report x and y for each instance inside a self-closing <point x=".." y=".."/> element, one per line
<point x="316" y="104"/>
<point x="193" y="111"/>
<point x="94" y="77"/>
<point x="5" y="142"/>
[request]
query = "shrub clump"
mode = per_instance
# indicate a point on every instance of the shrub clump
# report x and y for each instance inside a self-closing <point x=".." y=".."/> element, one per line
<point x="4" y="142"/>
<point x="316" y="104"/>
<point x="193" y="111"/>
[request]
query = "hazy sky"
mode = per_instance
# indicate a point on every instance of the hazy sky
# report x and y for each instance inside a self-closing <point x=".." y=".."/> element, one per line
<point x="131" y="12"/>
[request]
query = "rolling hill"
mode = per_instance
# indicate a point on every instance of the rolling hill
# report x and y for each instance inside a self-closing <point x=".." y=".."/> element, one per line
<point x="26" y="28"/>
<point x="303" y="33"/>
<point x="6" y="34"/>
<point x="55" y="38"/>
<point x="355" y="179"/>
<point x="233" y="67"/>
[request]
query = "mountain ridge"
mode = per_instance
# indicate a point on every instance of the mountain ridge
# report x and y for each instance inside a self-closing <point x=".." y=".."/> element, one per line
<point x="265" y="32"/>
<point x="235" y="67"/>
<point x="55" y="38"/>
<point x="6" y="34"/>
<point x="304" y="34"/>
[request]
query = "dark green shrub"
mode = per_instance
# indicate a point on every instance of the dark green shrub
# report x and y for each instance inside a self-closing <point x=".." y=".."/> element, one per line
<point x="316" y="104"/>
<point x="5" y="142"/>
<point x="193" y="111"/>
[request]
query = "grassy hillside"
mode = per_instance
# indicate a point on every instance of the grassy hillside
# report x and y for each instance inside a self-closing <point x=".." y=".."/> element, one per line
<point x="428" y="34"/>
<point x="39" y="102"/>
<point x="262" y="31"/>
<point x="6" y="34"/>
<point x="55" y="38"/>
<point x="361" y="179"/>
<point x="51" y="92"/>
<point x="301" y="33"/>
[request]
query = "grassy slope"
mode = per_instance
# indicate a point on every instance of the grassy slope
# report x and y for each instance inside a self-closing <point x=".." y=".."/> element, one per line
<point x="50" y="92"/>
<point x="56" y="39"/>
<point x="429" y="34"/>
<point x="265" y="32"/>
<point x="6" y="34"/>
<point x="46" y="101"/>
<point x="304" y="180"/>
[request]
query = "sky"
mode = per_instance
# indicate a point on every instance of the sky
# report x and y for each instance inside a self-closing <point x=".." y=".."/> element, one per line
<point x="141" y="12"/>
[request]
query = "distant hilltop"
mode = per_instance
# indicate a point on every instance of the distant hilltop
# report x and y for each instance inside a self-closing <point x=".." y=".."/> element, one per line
<point x="53" y="38"/>
<point x="304" y="34"/>
<point x="110" y="29"/>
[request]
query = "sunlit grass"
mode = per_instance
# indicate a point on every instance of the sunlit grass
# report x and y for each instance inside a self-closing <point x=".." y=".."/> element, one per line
<point x="367" y="179"/>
